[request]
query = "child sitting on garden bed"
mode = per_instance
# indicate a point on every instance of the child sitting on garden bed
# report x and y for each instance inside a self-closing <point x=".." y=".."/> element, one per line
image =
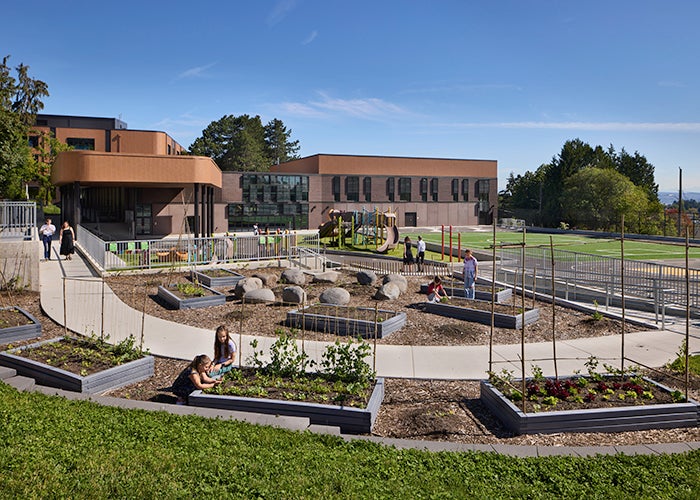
<point x="436" y="290"/>
<point x="224" y="353"/>
<point x="193" y="377"/>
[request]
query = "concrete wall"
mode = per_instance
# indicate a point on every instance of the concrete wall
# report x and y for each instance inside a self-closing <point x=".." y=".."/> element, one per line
<point x="20" y="260"/>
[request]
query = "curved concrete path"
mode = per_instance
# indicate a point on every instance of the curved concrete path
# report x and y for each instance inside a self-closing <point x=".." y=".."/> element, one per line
<point x="85" y="303"/>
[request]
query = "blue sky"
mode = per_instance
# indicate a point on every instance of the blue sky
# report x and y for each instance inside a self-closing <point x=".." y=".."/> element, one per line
<point x="504" y="80"/>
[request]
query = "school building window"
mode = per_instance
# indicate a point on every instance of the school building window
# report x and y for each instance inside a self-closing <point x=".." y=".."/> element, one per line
<point x="390" y="188"/>
<point x="81" y="143"/>
<point x="465" y="189"/>
<point x="405" y="189"/>
<point x="455" y="189"/>
<point x="424" y="189"/>
<point x="367" y="188"/>
<point x="434" y="188"/>
<point x="336" y="188"/>
<point x="352" y="188"/>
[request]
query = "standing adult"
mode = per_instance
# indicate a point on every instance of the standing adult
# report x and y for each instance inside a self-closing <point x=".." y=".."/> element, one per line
<point x="66" y="240"/>
<point x="256" y="231"/>
<point x="470" y="273"/>
<point x="47" y="231"/>
<point x="420" y="247"/>
<point x="407" y="253"/>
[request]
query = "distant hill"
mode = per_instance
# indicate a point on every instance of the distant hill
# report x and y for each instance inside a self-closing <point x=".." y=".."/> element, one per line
<point x="669" y="197"/>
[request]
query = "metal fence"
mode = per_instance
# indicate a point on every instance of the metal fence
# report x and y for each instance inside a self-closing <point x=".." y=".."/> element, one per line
<point x="395" y="266"/>
<point x="591" y="277"/>
<point x="18" y="220"/>
<point x="187" y="250"/>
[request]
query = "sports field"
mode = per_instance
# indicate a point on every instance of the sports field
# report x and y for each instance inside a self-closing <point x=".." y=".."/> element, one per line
<point x="635" y="250"/>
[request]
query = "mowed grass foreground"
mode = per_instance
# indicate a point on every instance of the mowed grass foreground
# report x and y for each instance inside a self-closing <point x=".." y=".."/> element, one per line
<point x="55" y="448"/>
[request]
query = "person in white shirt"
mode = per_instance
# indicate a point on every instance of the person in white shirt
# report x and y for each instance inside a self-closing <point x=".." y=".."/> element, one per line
<point x="47" y="231"/>
<point x="420" y="246"/>
<point x="470" y="272"/>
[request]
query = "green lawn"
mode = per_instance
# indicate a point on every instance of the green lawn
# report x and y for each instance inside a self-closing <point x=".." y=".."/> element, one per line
<point x="55" y="448"/>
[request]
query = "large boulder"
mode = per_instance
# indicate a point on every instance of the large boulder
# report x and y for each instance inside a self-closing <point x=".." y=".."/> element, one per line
<point x="259" y="296"/>
<point x="388" y="291"/>
<point x="268" y="280"/>
<point x="336" y="296"/>
<point x="366" y="277"/>
<point x="246" y="285"/>
<point x="293" y="277"/>
<point x="293" y="295"/>
<point x="398" y="280"/>
<point x="326" y="277"/>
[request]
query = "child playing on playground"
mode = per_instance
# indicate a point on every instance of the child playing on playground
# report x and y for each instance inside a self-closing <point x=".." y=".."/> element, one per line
<point x="193" y="377"/>
<point x="436" y="290"/>
<point x="224" y="353"/>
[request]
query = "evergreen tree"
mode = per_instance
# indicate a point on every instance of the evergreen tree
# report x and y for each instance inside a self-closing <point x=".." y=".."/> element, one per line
<point x="242" y="143"/>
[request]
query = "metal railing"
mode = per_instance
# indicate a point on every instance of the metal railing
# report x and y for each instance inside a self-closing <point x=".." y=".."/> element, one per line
<point x="18" y="220"/>
<point x="600" y="278"/>
<point x="395" y="266"/>
<point x="187" y="250"/>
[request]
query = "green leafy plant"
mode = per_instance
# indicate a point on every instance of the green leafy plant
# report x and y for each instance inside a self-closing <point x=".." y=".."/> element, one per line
<point x="190" y="289"/>
<point x="597" y="315"/>
<point x="346" y="362"/>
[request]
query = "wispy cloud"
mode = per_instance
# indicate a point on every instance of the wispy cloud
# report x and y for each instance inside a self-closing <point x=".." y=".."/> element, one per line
<point x="280" y="11"/>
<point x="368" y="108"/>
<point x="196" y="72"/>
<point x="460" y="87"/>
<point x="312" y="36"/>
<point x="604" y="126"/>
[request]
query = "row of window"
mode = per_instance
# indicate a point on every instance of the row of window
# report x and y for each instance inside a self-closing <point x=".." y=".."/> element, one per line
<point x="429" y="189"/>
<point x="75" y="142"/>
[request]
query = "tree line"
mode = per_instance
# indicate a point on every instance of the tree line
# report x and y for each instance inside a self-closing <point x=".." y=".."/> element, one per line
<point x="589" y="188"/>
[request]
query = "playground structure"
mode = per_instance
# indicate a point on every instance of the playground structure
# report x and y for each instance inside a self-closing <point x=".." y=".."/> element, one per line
<point x="366" y="228"/>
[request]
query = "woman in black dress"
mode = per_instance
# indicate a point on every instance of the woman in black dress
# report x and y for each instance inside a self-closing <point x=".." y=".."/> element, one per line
<point x="407" y="254"/>
<point x="67" y="241"/>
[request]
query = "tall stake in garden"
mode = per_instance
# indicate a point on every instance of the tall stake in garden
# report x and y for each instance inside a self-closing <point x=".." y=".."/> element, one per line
<point x="376" y="321"/>
<point x="522" y="334"/>
<point x="687" y="313"/>
<point x="554" y="311"/>
<point x="493" y="297"/>
<point x="240" y="333"/>
<point x="65" y="322"/>
<point x="102" y="316"/>
<point x="622" y="292"/>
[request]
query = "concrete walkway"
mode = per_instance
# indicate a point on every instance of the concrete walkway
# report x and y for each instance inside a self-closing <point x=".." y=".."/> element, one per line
<point x="83" y="314"/>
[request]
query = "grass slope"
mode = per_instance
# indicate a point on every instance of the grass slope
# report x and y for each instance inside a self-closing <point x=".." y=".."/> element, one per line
<point x="55" y="448"/>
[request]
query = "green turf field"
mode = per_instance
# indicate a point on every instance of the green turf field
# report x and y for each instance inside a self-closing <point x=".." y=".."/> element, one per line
<point x="635" y="250"/>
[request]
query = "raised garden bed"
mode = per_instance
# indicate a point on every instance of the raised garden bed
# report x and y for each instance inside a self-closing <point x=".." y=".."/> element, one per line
<point x="216" y="277"/>
<point x="480" y="292"/>
<point x="480" y="312"/>
<point x="17" y="324"/>
<point x="91" y="383"/>
<point x="349" y="419"/>
<point x="602" y="419"/>
<point x="177" y="300"/>
<point x="344" y="320"/>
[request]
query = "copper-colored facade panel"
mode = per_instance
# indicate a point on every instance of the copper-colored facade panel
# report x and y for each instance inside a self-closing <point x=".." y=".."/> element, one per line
<point x="93" y="168"/>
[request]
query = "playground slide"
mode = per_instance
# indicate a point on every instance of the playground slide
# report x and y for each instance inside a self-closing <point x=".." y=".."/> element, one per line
<point x="326" y="229"/>
<point x="392" y="239"/>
